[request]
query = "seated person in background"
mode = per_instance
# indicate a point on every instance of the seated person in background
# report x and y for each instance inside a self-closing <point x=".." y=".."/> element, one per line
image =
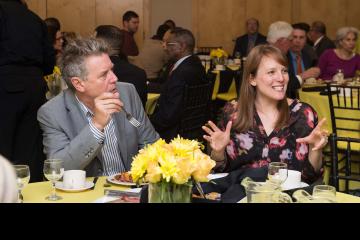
<point x="252" y="38"/>
<point x="280" y="35"/>
<point x="68" y="37"/>
<point x="343" y="57"/>
<point x="317" y="35"/>
<point x="85" y="125"/>
<point x="308" y="48"/>
<point x="300" y="63"/>
<point x="55" y="35"/>
<point x="8" y="182"/>
<point x="152" y="56"/>
<point x="186" y="70"/>
<point x="55" y="83"/>
<point x="125" y="71"/>
<point x="264" y="126"/>
<point x="170" y="23"/>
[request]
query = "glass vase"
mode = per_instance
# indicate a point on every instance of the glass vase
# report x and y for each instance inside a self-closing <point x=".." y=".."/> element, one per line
<point x="168" y="192"/>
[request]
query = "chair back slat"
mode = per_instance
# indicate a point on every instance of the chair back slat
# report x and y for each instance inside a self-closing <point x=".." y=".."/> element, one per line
<point x="196" y="109"/>
<point x="347" y="100"/>
<point x="345" y="168"/>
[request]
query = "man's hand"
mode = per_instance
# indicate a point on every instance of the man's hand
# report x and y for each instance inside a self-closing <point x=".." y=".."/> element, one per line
<point x="105" y="105"/>
<point x="313" y="72"/>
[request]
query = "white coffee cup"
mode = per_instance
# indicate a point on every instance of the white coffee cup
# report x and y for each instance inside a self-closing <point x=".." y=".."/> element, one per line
<point x="219" y="67"/>
<point x="293" y="180"/>
<point x="74" y="179"/>
<point x="237" y="61"/>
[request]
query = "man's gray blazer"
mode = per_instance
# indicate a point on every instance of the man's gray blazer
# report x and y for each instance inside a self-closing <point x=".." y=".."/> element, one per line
<point x="67" y="134"/>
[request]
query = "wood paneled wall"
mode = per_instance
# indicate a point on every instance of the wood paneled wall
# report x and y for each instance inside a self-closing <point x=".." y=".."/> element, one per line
<point x="215" y="22"/>
<point x="82" y="16"/>
<point x="220" y="21"/>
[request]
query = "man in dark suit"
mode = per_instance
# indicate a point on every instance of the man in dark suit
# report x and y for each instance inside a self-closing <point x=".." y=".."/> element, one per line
<point x="318" y="36"/>
<point x="125" y="71"/>
<point x="249" y="40"/>
<point x="186" y="70"/>
<point x="26" y="55"/>
<point x="301" y="65"/>
<point x="282" y="35"/>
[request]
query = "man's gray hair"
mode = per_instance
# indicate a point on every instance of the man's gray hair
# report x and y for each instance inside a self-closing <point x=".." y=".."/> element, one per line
<point x="72" y="61"/>
<point x="279" y="30"/>
<point x="184" y="36"/>
<point x="342" y="32"/>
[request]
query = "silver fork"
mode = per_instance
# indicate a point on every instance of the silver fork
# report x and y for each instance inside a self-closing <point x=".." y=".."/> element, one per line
<point x="131" y="119"/>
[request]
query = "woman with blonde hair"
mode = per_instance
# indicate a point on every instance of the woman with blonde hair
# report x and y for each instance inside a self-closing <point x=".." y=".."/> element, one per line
<point x="264" y="126"/>
<point x="342" y="57"/>
<point x="8" y="185"/>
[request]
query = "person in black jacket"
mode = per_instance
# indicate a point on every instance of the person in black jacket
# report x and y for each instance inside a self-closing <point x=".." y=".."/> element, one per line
<point x="26" y="55"/>
<point x="252" y="38"/>
<point x="125" y="71"/>
<point x="186" y="70"/>
<point x="317" y="35"/>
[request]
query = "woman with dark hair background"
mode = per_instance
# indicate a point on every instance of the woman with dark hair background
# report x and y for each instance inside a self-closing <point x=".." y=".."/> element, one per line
<point x="55" y="35"/>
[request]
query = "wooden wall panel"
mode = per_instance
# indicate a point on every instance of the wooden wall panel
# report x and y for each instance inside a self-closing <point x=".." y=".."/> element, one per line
<point x="269" y="11"/>
<point x="74" y="15"/>
<point x="218" y="22"/>
<point x="214" y="22"/>
<point x="353" y="13"/>
<point x="37" y="6"/>
<point x="332" y="12"/>
<point x="111" y="11"/>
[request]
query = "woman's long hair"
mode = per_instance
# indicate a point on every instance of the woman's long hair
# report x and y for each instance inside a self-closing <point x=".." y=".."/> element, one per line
<point x="246" y="101"/>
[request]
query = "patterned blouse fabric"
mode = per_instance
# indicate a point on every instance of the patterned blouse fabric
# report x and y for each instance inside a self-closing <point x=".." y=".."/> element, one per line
<point x="254" y="149"/>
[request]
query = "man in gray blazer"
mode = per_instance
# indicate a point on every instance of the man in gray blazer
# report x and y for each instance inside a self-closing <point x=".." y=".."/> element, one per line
<point x="86" y="125"/>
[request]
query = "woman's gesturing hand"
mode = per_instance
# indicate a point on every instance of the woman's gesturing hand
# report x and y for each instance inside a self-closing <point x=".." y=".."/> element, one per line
<point x="217" y="139"/>
<point x="318" y="138"/>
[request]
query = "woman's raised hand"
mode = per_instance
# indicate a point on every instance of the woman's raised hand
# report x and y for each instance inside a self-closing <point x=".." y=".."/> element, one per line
<point x="318" y="138"/>
<point x="218" y="139"/>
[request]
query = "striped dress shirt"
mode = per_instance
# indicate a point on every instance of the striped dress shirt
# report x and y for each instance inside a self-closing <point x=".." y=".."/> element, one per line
<point x="110" y="153"/>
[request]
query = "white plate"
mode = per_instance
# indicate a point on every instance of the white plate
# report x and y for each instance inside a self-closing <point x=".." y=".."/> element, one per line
<point x="217" y="175"/>
<point x="112" y="179"/>
<point x="302" y="185"/>
<point x="60" y="186"/>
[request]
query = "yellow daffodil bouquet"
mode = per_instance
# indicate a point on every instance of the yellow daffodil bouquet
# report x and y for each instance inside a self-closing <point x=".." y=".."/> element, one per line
<point x="170" y="169"/>
<point x="56" y="73"/>
<point x="178" y="162"/>
<point x="218" y="53"/>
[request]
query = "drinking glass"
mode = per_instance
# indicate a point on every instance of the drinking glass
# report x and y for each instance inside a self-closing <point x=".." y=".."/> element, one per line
<point x="324" y="193"/>
<point x="53" y="171"/>
<point x="23" y="178"/>
<point x="277" y="172"/>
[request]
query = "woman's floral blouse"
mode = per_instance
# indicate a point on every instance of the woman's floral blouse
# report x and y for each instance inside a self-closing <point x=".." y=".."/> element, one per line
<point x="255" y="149"/>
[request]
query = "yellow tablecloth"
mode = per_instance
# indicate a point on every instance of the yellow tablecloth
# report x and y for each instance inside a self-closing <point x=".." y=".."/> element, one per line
<point x="36" y="193"/>
<point x="151" y="102"/>
<point x="321" y="105"/>
<point x="231" y="94"/>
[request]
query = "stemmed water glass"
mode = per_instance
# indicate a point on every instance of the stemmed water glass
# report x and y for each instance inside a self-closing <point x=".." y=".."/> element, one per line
<point x="53" y="171"/>
<point x="277" y="172"/>
<point x="22" y="178"/>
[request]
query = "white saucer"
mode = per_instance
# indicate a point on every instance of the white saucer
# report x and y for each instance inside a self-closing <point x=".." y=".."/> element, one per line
<point x="302" y="185"/>
<point x="216" y="176"/>
<point x="60" y="186"/>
